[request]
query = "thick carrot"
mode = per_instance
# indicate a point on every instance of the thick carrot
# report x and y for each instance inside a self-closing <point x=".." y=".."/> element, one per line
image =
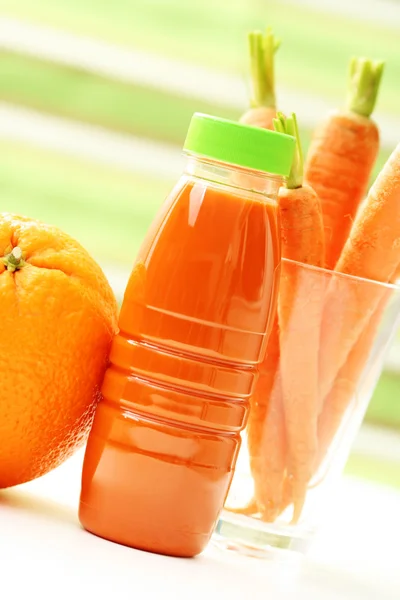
<point x="338" y="402"/>
<point x="371" y="252"/>
<point x="342" y="154"/>
<point x="262" y="111"/>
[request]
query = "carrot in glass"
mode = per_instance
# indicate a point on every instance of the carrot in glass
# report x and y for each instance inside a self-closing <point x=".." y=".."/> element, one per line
<point x="338" y="401"/>
<point x="302" y="239"/>
<point x="266" y="435"/>
<point x="342" y="154"/>
<point x="299" y="305"/>
<point x="262" y="109"/>
<point x="371" y="252"/>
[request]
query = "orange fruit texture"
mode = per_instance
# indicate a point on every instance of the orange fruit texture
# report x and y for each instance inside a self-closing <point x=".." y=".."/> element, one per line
<point x="58" y="318"/>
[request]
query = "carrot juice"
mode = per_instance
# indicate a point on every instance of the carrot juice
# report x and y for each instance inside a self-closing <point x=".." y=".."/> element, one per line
<point x="193" y="328"/>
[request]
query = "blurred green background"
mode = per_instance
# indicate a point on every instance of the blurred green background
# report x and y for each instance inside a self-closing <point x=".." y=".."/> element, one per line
<point x="96" y="97"/>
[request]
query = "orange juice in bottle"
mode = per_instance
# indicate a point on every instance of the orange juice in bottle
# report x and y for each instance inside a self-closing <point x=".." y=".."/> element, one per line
<point x="193" y="327"/>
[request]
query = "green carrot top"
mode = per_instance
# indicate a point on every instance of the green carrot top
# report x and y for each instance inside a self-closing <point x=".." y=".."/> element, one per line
<point x="262" y="48"/>
<point x="289" y="126"/>
<point x="363" y="85"/>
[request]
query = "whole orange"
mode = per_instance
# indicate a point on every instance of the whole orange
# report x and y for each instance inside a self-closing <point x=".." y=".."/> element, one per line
<point x="58" y="317"/>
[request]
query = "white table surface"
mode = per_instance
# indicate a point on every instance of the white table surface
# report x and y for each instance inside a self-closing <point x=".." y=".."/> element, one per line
<point x="44" y="553"/>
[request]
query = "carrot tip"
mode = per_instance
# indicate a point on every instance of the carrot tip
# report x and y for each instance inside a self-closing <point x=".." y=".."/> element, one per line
<point x="298" y="506"/>
<point x="249" y="510"/>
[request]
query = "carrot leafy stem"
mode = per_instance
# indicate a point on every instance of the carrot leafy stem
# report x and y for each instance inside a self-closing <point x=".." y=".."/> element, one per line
<point x="289" y="126"/>
<point x="262" y="48"/>
<point x="363" y="85"/>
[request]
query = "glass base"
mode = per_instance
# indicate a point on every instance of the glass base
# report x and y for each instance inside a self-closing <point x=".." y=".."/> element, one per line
<point x="252" y="537"/>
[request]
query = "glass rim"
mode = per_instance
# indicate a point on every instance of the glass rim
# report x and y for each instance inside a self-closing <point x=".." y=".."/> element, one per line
<point x="330" y="273"/>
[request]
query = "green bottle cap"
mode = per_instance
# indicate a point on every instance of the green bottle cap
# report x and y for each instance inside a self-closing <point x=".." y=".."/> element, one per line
<point x="238" y="144"/>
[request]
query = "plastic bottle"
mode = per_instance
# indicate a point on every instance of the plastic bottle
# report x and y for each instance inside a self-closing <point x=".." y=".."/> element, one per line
<point x="193" y="328"/>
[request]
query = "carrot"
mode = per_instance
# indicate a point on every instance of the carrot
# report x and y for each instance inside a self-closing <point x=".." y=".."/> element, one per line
<point x="266" y="435"/>
<point x="299" y="310"/>
<point x="338" y="402"/>
<point x="264" y="457"/>
<point x="371" y="252"/>
<point x="342" y="154"/>
<point x="272" y="404"/>
<point x="262" y="109"/>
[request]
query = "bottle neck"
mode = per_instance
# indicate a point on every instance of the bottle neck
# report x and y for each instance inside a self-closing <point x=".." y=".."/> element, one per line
<point x="233" y="176"/>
